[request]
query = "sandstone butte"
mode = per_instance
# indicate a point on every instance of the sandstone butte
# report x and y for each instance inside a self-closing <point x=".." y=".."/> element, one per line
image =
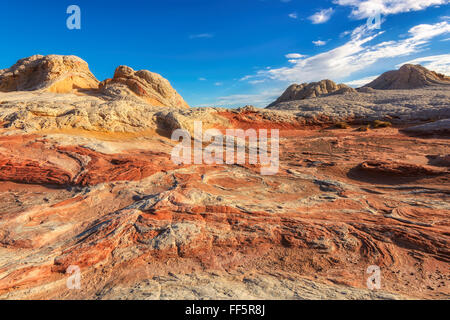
<point x="86" y="179"/>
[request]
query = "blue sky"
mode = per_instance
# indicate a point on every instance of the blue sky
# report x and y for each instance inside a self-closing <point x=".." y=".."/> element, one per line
<point x="234" y="52"/>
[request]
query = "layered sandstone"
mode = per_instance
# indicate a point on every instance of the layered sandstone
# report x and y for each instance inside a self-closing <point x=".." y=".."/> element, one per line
<point x="53" y="73"/>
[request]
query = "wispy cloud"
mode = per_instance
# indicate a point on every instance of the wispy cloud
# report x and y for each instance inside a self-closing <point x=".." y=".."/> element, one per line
<point x="322" y="16"/>
<point x="293" y="15"/>
<point x="201" y="36"/>
<point x="362" y="9"/>
<point x="294" y="56"/>
<point x="202" y="79"/>
<point x="319" y="43"/>
<point x="360" y="82"/>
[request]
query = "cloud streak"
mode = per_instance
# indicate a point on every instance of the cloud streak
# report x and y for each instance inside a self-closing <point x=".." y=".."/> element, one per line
<point x="362" y="9"/>
<point x="360" y="82"/>
<point x="319" y="43"/>
<point x="201" y="36"/>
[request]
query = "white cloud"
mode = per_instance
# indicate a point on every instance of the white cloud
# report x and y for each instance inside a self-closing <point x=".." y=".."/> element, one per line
<point x="345" y="33"/>
<point x="218" y="84"/>
<point x="257" y="81"/>
<point x="202" y="79"/>
<point x="294" y="56"/>
<point x="360" y="82"/>
<point x="322" y="16"/>
<point x="201" y="36"/>
<point x="245" y="78"/>
<point x="439" y="63"/>
<point x="362" y="9"/>
<point x="293" y="15"/>
<point x="319" y="43"/>
<point x="355" y="55"/>
<point x="428" y="31"/>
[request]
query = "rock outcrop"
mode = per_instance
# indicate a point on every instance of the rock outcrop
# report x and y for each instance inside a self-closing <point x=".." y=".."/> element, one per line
<point x="408" y="77"/>
<point x="436" y="127"/>
<point x="311" y="90"/>
<point x="381" y="168"/>
<point x="53" y="73"/>
<point x="151" y="87"/>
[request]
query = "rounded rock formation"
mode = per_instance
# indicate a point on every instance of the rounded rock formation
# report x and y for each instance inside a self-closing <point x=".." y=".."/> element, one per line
<point x="409" y="76"/>
<point x="311" y="90"/>
<point x="149" y="86"/>
<point x="53" y="73"/>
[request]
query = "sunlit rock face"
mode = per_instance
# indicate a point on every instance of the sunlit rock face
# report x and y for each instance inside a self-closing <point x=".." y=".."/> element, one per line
<point x="53" y="73"/>
<point x="151" y="87"/>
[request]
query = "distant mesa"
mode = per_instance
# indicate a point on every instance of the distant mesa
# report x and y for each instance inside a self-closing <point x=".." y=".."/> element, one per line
<point x="409" y="76"/>
<point x="311" y="90"/>
<point x="151" y="87"/>
<point x="53" y="73"/>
